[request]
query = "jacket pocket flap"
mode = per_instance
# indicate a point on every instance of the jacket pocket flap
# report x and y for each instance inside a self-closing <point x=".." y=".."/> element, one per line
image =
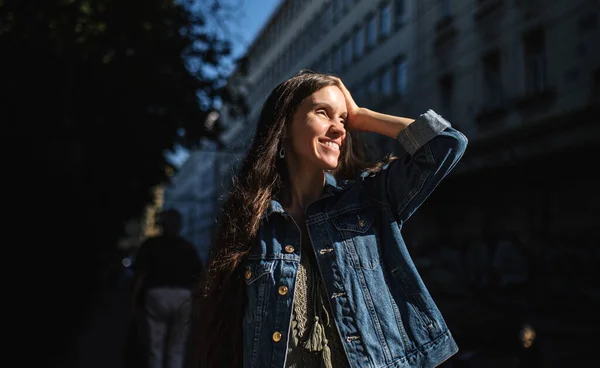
<point x="256" y="270"/>
<point x="357" y="222"/>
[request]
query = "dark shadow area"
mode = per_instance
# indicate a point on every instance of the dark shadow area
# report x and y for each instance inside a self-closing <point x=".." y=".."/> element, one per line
<point x="93" y="94"/>
<point x="516" y="275"/>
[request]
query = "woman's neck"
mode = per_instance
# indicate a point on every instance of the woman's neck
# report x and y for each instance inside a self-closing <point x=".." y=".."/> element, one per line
<point x="305" y="186"/>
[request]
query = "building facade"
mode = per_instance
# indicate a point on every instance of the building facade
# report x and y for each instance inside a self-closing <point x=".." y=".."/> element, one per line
<point x="197" y="191"/>
<point x="521" y="79"/>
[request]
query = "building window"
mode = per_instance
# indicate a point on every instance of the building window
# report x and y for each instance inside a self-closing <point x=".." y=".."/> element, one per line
<point x="347" y="51"/>
<point x="347" y="4"/>
<point x="285" y="61"/>
<point x="293" y="50"/>
<point x="337" y="9"/>
<point x="401" y="77"/>
<point x="372" y="87"/>
<point x="446" y="90"/>
<point x="287" y="14"/>
<point x="386" y="82"/>
<point x="371" y="31"/>
<point x="314" y="30"/>
<point x="359" y="41"/>
<point x="400" y="12"/>
<point x="328" y="63"/>
<point x="536" y="77"/>
<point x="337" y="60"/>
<point x="302" y="41"/>
<point x="360" y="93"/>
<point x="385" y="20"/>
<point x="492" y="79"/>
<point x="316" y="65"/>
<point x="327" y="18"/>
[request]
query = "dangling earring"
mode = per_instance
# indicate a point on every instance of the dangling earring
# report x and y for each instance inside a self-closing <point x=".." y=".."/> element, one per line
<point x="282" y="151"/>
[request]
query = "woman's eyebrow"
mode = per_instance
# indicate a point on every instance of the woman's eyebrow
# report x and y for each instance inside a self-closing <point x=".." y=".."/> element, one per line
<point x="322" y="103"/>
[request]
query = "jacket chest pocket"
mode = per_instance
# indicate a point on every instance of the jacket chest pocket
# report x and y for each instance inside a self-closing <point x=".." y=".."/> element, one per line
<point x="360" y="238"/>
<point x="258" y="275"/>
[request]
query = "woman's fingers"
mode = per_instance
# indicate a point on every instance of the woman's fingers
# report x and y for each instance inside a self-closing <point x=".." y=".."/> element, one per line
<point x="349" y="99"/>
<point x="353" y="121"/>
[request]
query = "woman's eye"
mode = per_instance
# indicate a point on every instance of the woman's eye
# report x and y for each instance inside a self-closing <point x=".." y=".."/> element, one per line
<point x="322" y="112"/>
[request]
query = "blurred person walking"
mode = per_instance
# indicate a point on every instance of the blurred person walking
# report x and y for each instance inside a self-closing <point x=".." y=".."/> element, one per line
<point x="166" y="268"/>
<point x="309" y="268"/>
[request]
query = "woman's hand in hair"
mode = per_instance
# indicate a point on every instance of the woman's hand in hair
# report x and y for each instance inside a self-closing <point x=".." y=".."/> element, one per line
<point x="363" y="119"/>
<point x="354" y="121"/>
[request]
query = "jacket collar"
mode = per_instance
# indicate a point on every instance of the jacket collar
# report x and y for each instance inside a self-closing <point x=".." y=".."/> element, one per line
<point x="331" y="187"/>
<point x="331" y="183"/>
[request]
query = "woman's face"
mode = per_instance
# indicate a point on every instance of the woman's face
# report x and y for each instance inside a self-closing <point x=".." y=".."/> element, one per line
<point x="317" y="131"/>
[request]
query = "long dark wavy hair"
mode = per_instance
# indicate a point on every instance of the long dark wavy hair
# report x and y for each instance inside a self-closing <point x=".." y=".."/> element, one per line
<point x="218" y="304"/>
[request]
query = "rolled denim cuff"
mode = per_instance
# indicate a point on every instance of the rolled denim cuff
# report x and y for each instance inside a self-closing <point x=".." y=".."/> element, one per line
<point x="426" y="127"/>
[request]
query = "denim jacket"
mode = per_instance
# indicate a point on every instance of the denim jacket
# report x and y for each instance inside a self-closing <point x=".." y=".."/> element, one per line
<point x="382" y="310"/>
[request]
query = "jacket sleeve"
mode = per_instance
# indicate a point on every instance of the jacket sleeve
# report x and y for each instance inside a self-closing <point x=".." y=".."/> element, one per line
<point x="433" y="148"/>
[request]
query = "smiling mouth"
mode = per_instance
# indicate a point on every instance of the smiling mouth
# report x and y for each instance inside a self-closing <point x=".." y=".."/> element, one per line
<point x="331" y="145"/>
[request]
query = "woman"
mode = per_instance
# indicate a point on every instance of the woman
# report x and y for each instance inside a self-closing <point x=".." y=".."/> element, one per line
<point x="310" y="268"/>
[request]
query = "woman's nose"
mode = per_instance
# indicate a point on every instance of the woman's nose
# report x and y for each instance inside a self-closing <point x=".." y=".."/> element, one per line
<point x="338" y="128"/>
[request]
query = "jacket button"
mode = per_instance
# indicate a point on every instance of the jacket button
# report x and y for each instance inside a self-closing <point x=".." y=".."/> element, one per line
<point x="283" y="290"/>
<point x="277" y="336"/>
<point x="248" y="274"/>
<point x="289" y="249"/>
<point x="361" y="223"/>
